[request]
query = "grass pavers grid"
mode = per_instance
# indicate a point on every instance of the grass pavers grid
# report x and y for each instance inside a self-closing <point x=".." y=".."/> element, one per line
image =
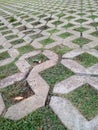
<point x="68" y="11"/>
<point x="85" y="99"/>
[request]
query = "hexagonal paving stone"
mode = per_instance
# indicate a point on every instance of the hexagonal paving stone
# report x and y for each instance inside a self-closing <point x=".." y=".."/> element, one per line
<point x="86" y="59"/>
<point x="85" y="99"/>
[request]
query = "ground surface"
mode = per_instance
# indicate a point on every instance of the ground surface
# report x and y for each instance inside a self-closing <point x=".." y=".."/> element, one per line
<point x="49" y="65"/>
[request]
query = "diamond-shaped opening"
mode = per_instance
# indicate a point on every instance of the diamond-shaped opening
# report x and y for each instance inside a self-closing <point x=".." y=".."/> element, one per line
<point x="81" y="14"/>
<point x="8" y="70"/>
<point x="56" y="74"/>
<point x="49" y="19"/>
<point x="81" y="29"/>
<point x="57" y="23"/>
<point x="25" y="49"/>
<point x="4" y="55"/>
<point x="94" y="24"/>
<point x="44" y="27"/>
<point x="69" y="25"/>
<point x="29" y="20"/>
<point x="93" y="16"/>
<point x="47" y="41"/>
<point x="1" y="47"/>
<point x="18" y="41"/>
<point x="85" y="98"/>
<point x="36" y="36"/>
<point x="60" y="49"/>
<point x="11" y="37"/>
<point x="95" y="33"/>
<point x="6" y="32"/>
<point x="35" y="60"/>
<point x="1" y="24"/>
<point x="65" y="35"/>
<point x="81" y="41"/>
<point x="16" y="24"/>
<point x="81" y="20"/>
<point x="70" y="17"/>
<point x="36" y="23"/>
<point x="21" y="28"/>
<point x="53" y="31"/>
<point x="96" y="47"/>
<point x="86" y="59"/>
<point x="3" y="28"/>
<point x="61" y="15"/>
<point x="15" y="93"/>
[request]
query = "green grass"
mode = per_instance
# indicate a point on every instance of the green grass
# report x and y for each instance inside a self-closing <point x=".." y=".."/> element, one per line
<point x="18" y="89"/>
<point x="42" y="118"/>
<point x="81" y="20"/>
<point x="65" y="35"/>
<point x="81" y="41"/>
<point x="95" y="33"/>
<point x="47" y="41"/>
<point x="12" y="19"/>
<point x="16" y="24"/>
<point x="53" y="31"/>
<point x="93" y="16"/>
<point x="96" y="47"/>
<point x="61" y="15"/>
<point x="86" y="59"/>
<point x="17" y="41"/>
<point x="4" y="55"/>
<point x="69" y="25"/>
<point x="25" y="49"/>
<point x="11" y="37"/>
<point x="60" y="49"/>
<point x="8" y="70"/>
<point x="36" y="36"/>
<point x="81" y="14"/>
<point x="6" y="32"/>
<point x="69" y="17"/>
<point x="56" y="74"/>
<point x="36" y="59"/>
<point x="1" y="24"/>
<point x="85" y="99"/>
<point x="57" y="23"/>
<point x="1" y="47"/>
<point x="94" y="24"/>
<point x="81" y="29"/>
<point x="3" y="28"/>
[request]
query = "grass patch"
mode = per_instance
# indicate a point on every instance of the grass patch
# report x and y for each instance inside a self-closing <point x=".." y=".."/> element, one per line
<point x="8" y="70"/>
<point x="57" y="23"/>
<point x="94" y="24"/>
<point x="65" y="35"/>
<point x="95" y="33"/>
<point x="25" y="49"/>
<point x="69" y="25"/>
<point x="60" y="49"/>
<point x="81" y="20"/>
<point x="11" y="37"/>
<point x="96" y="47"/>
<point x="36" y="59"/>
<point x="93" y="16"/>
<point x="16" y="24"/>
<point x="4" y="55"/>
<point x="3" y="28"/>
<point x="17" y="41"/>
<point x="15" y="93"/>
<point x="36" y="36"/>
<point x="81" y="41"/>
<point x="53" y="31"/>
<point x="1" y="47"/>
<point x="85" y="99"/>
<point x="43" y="118"/>
<point x="56" y="74"/>
<point x="6" y="32"/>
<point x="70" y="17"/>
<point x="12" y="19"/>
<point x="47" y="41"/>
<point x="86" y="59"/>
<point x="81" y="29"/>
